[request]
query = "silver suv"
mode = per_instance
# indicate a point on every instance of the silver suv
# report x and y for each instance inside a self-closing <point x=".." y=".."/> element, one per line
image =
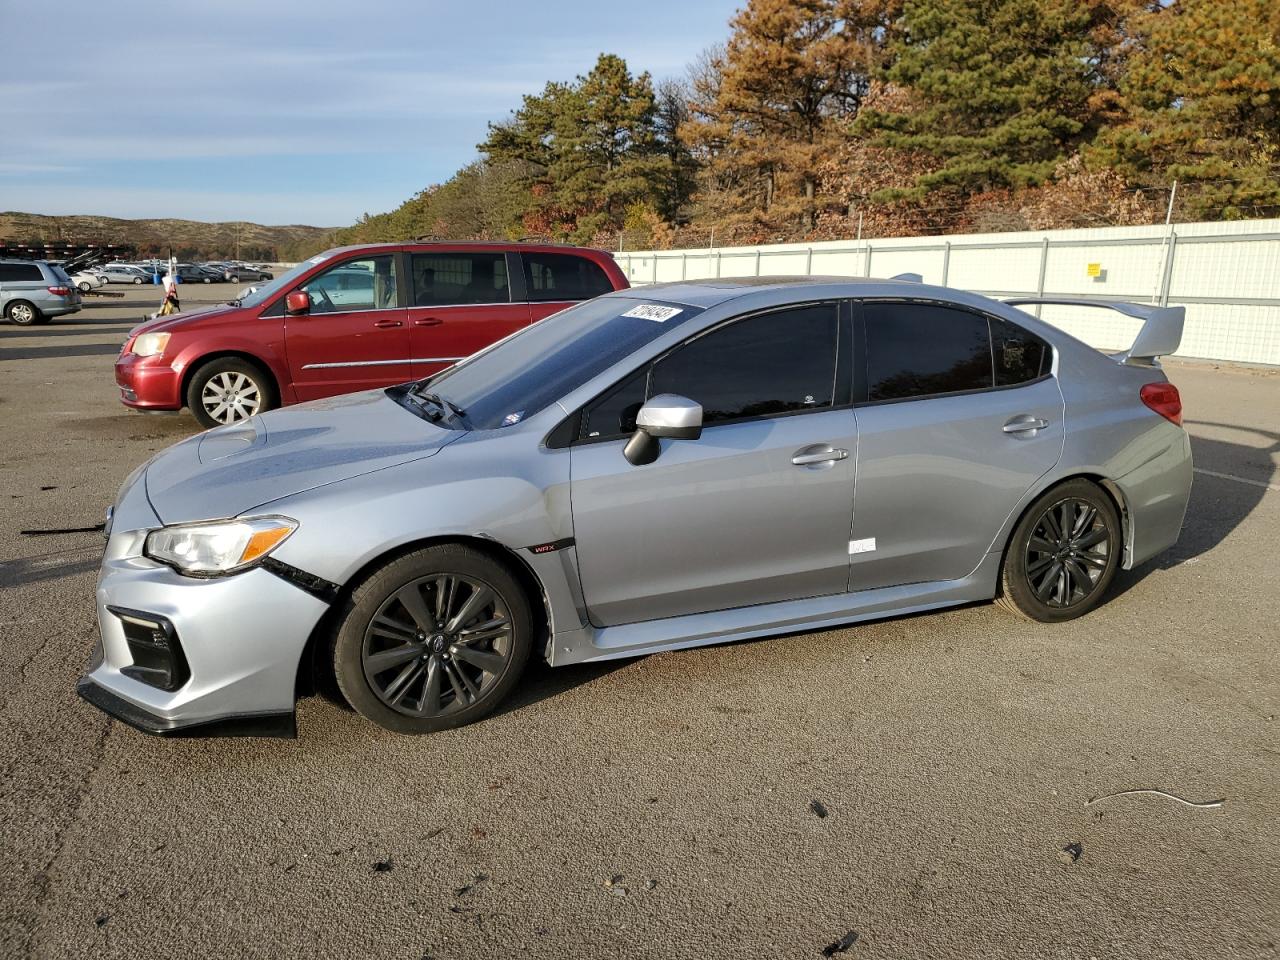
<point x="650" y="470"/>
<point x="34" y="292"/>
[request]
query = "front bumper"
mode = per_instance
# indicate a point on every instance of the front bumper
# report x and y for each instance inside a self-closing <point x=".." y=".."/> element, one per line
<point x="148" y="383"/>
<point x="241" y="639"/>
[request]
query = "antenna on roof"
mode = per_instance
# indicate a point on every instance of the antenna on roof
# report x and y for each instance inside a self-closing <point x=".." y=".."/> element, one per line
<point x="909" y="277"/>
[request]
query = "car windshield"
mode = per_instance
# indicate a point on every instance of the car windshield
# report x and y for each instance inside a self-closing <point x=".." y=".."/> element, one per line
<point x="268" y="290"/>
<point x="519" y="376"/>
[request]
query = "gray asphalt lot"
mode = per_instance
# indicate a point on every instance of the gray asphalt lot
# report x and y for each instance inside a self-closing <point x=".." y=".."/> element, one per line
<point x="952" y="752"/>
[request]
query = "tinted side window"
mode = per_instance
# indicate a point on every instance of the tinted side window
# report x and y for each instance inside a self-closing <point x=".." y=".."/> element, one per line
<point x="441" y="279"/>
<point x="563" y="276"/>
<point x="764" y="365"/>
<point x="1019" y="355"/>
<point x="614" y="414"/>
<point x="918" y="350"/>
<point x="20" y="272"/>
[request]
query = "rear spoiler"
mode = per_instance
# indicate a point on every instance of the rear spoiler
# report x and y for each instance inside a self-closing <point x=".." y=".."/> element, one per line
<point x="1161" y="331"/>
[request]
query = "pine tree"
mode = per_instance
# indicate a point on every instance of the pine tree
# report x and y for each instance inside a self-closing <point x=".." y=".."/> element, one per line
<point x="999" y="91"/>
<point x="777" y="99"/>
<point x="590" y="147"/>
<point x="1202" y="89"/>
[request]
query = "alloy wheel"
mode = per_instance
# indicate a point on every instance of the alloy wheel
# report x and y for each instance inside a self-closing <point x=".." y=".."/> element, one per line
<point x="1067" y="553"/>
<point x="437" y="645"/>
<point x="231" y="396"/>
<point x="22" y="314"/>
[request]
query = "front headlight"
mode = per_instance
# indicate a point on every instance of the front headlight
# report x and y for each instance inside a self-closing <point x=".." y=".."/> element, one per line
<point x="150" y="344"/>
<point x="223" y="546"/>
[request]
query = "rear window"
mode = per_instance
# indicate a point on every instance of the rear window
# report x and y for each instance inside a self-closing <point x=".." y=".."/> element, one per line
<point x="922" y="350"/>
<point x="563" y="276"/>
<point x="20" y="273"/>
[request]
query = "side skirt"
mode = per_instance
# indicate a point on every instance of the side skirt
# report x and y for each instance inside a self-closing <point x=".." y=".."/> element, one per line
<point x="743" y="623"/>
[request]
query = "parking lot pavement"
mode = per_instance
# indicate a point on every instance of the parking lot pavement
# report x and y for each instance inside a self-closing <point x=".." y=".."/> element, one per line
<point x="664" y="807"/>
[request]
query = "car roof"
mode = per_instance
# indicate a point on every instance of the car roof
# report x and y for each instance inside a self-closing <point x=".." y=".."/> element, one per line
<point x="710" y="293"/>
<point x="503" y="245"/>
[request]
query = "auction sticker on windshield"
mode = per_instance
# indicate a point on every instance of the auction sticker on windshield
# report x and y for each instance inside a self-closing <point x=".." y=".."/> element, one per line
<point x="653" y="311"/>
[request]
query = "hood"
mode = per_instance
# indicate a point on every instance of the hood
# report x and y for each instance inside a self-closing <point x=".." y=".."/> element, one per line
<point x="177" y="320"/>
<point x="232" y="469"/>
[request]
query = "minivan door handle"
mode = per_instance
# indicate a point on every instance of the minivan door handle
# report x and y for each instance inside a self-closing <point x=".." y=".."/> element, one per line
<point x="1024" y="423"/>
<point x="819" y="453"/>
<point x="388" y="323"/>
<point x="428" y="322"/>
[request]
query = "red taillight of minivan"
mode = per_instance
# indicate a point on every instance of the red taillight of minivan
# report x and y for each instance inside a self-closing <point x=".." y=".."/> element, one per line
<point x="1163" y="399"/>
<point x="60" y="291"/>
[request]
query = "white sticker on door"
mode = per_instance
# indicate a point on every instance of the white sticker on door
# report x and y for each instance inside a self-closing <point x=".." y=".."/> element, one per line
<point x="862" y="546"/>
<point x="653" y="311"/>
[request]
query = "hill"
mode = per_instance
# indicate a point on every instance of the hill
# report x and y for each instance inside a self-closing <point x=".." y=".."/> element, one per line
<point x="190" y="239"/>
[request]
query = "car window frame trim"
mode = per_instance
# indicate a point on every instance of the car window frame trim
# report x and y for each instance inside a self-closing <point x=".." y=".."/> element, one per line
<point x="410" y="254"/>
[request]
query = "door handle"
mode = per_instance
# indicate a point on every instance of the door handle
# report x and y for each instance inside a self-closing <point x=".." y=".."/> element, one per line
<point x="1024" y="423"/>
<point x="388" y="323"/>
<point x="821" y="454"/>
<point x="428" y="322"/>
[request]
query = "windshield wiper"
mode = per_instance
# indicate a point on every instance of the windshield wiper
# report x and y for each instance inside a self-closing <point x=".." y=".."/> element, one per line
<point x="442" y="402"/>
<point x="234" y="303"/>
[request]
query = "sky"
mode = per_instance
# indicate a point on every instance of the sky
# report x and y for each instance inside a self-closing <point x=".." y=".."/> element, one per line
<point x="279" y="111"/>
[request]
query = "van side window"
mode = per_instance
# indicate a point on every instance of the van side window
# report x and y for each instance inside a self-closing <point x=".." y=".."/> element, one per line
<point x="448" y="279"/>
<point x="562" y="276"/>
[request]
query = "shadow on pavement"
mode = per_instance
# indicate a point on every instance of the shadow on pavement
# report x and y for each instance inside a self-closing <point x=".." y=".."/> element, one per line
<point x="51" y="566"/>
<point x="53" y="352"/>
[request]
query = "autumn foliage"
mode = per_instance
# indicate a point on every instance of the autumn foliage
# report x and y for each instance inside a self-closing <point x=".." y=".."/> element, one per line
<point x="820" y="119"/>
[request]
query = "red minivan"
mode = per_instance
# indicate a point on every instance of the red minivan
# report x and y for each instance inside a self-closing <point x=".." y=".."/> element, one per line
<point x="350" y="319"/>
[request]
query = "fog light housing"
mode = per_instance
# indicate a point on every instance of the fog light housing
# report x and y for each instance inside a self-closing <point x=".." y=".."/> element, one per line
<point x="158" y="660"/>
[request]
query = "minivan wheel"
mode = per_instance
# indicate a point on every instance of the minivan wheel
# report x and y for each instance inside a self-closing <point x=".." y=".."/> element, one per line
<point x="433" y="640"/>
<point x="1063" y="554"/>
<point x="228" y="390"/>
<point x="22" y="313"/>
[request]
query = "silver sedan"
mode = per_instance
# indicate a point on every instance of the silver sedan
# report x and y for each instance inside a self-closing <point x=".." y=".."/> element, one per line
<point x="654" y="469"/>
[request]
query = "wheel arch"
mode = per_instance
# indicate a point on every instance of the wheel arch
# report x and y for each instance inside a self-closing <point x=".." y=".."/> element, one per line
<point x="199" y="362"/>
<point x="315" y="666"/>
<point x="1106" y="484"/>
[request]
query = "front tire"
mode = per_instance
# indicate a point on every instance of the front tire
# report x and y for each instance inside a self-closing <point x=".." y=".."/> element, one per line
<point x="23" y="314"/>
<point x="1063" y="554"/>
<point x="137" y="281"/>
<point x="84" y="286"/>
<point x="229" y="390"/>
<point x="433" y="640"/>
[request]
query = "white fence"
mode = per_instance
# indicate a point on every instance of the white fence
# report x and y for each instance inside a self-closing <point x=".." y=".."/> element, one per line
<point x="1226" y="274"/>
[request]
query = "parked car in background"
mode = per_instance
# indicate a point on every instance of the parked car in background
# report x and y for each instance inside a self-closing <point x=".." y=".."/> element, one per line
<point x="86" y="280"/>
<point x="125" y="273"/>
<point x="34" y="292"/>
<point x="240" y="273"/>
<point x="197" y="273"/>
<point x="350" y="319"/>
<point x="656" y="469"/>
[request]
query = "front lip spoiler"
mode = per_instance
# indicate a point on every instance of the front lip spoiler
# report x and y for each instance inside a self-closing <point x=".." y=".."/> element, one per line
<point x="280" y="725"/>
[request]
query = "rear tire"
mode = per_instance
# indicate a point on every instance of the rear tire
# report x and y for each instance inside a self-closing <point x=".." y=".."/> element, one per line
<point x="23" y="314"/>
<point x="433" y="640"/>
<point x="229" y="390"/>
<point x="138" y="281"/>
<point x="85" y="286"/>
<point x="1063" y="554"/>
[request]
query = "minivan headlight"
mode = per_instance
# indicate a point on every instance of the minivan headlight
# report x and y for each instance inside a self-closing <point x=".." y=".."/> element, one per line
<point x="223" y="546"/>
<point x="150" y="344"/>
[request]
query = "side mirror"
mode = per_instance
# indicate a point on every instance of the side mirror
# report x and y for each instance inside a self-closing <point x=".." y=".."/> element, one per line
<point x="666" y="415"/>
<point x="297" y="303"/>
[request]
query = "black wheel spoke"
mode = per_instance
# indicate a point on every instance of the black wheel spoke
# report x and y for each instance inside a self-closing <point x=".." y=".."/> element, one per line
<point x="398" y="687"/>
<point x="486" y="660"/>
<point x="474" y="604"/>
<point x="411" y="599"/>
<point x="1081" y="576"/>
<point x="386" y="659"/>
<point x="1041" y="545"/>
<point x="1049" y="582"/>
<point x="1034" y="569"/>
<point x="390" y="629"/>
<point x="444" y="597"/>
<point x="1085" y="521"/>
<point x="429" y="702"/>
<point x="1050" y="524"/>
<point x="459" y="690"/>
<point x="1098" y="563"/>
<point x="1090" y="539"/>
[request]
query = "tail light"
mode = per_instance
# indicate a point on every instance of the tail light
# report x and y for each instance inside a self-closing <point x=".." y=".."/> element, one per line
<point x="60" y="291"/>
<point x="1163" y="399"/>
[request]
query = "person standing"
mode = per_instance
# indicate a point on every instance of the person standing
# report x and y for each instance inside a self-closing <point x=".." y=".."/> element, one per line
<point x="170" y="304"/>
